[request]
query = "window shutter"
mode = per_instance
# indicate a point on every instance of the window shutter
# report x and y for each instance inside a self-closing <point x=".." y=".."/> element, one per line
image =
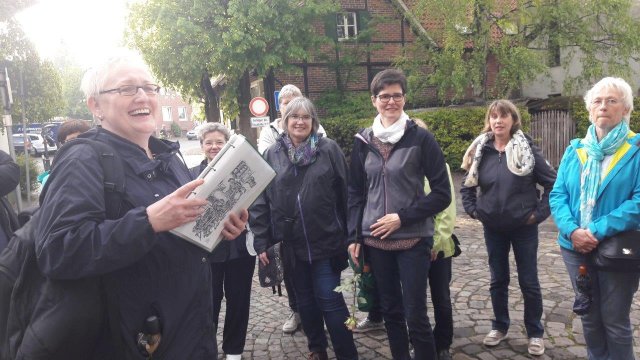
<point x="330" y="26"/>
<point x="363" y="18"/>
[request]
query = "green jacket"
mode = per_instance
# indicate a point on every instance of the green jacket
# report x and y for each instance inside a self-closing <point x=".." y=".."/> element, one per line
<point x="444" y="222"/>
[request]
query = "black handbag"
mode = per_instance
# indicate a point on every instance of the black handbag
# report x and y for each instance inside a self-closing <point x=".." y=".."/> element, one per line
<point x="271" y="274"/>
<point x="619" y="253"/>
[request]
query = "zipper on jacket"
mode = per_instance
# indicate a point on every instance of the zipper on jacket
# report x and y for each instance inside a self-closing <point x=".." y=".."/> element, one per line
<point x="499" y="156"/>
<point x="304" y="229"/>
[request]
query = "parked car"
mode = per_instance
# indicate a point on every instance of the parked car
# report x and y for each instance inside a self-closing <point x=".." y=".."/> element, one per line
<point x="35" y="144"/>
<point x="191" y="134"/>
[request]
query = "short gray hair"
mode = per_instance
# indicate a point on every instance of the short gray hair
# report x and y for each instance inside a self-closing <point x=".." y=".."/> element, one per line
<point x="95" y="78"/>
<point x="209" y="127"/>
<point x="611" y="83"/>
<point x="306" y="105"/>
<point x="289" y="91"/>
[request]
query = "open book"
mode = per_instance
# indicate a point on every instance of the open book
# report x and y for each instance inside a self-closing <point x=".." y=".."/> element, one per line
<point x="232" y="181"/>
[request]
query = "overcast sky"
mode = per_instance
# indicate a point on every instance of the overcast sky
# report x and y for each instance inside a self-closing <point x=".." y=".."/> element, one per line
<point x="87" y="28"/>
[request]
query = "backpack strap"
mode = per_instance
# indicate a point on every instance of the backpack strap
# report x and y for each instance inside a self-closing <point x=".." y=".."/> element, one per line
<point x="112" y="169"/>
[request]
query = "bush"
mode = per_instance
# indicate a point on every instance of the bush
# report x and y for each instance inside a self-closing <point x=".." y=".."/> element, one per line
<point x="456" y="128"/>
<point x="33" y="174"/>
<point x="176" y="130"/>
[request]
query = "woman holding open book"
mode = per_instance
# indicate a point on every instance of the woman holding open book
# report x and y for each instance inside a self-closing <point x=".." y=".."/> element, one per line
<point x="231" y="264"/>
<point x="305" y="208"/>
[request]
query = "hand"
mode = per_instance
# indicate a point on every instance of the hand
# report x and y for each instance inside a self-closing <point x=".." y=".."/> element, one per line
<point x="532" y="219"/>
<point x="264" y="259"/>
<point x="385" y="226"/>
<point x="434" y="255"/>
<point x="235" y="225"/>
<point x="175" y="209"/>
<point x="354" y="251"/>
<point x="583" y="241"/>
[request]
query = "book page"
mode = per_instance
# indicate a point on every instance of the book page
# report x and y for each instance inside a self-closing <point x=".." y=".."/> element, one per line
<point x="233" y="180"/>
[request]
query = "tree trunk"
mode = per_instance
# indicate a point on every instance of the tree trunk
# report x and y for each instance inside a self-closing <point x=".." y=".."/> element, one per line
<point x="244" y="119"/>
<point x="211" y="99"/>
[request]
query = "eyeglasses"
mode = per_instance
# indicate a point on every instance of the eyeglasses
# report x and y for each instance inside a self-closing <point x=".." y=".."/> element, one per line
<point x="130" y="90"/>
<point x="609" y="101"/>
<point x="386" y="97"/>
<point x="296" y="117"/>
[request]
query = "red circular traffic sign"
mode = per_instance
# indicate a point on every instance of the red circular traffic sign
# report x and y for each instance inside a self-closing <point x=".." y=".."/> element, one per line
<point x="259" y="106"/>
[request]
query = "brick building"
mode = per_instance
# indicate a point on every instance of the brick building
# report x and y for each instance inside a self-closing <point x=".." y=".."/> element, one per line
<point x="174" y="110"/>
<point x="320" y="74"/>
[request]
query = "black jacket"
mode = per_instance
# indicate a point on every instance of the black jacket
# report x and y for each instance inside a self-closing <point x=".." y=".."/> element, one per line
<point x="144" y="273"/>
<point x="318" y="209"/>
<point x="378" y="187"/>
<point x="9" y="179"/>
<point x="503" y="200"/>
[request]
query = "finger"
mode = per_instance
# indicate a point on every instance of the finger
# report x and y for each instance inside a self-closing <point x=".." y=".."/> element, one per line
<point x="229" y="235"/>
<point x="376" y="225"/>
<point x="264" y="259"/>
<point x="236" y="221"/>
<point x="244" y="215"/>
<point x="187" y="188"/>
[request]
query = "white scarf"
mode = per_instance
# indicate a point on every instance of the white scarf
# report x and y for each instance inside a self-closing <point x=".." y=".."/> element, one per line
<point x="391" y="134"/>
<point x="520" y="160"/>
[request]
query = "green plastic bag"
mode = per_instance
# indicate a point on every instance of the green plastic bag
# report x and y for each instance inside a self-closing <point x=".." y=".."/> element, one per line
<point x="367" y="298"/>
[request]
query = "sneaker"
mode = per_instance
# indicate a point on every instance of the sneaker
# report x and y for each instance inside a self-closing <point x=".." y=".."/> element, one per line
<point x="444" y="355"/>
<point x="318" y="355"/>
<point x="494" y="337"/>
<point x="368" y="325"/>
<point x="536" y="346"/>
<point x="233" y="357"/>
<point x="292" y="323"/>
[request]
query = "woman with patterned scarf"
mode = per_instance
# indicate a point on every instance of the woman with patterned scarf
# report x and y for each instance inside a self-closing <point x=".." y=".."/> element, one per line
<point x="503" y="168"/>
<point x="305" y="208"/>
<point x="597" y="195"/>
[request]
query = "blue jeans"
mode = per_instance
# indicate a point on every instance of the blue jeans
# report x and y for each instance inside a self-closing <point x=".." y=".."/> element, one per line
<point x="401" y="280"/>
<point x="607" y="328"/>
<point x="525" y="249"/>
<point x="318" y="304"/>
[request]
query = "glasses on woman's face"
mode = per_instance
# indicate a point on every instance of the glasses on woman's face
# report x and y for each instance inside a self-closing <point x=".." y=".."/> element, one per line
<point x="608" y="101"/>
<point x="296" y="117"/>
<point x="386" y="97"/>
<point x="130" y="90"/>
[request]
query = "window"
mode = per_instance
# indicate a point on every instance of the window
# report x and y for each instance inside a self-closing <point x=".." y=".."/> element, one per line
<point x="182" y="113"/>
<point x="347" y="25"/>
<point x="553" y="55"/>
<point x="166" y="113"/>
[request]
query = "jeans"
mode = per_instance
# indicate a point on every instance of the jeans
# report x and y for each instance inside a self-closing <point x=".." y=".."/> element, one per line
<point x="232" y="279"/>
<point x="401" y="280"/>
<point x="607" y="327"/>
<point x="318" y="304"/>
<point x="524" y="240"/>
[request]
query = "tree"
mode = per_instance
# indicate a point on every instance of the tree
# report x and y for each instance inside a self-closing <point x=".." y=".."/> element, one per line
<point x="42" y="87"/>
<point x="524" y="37"/>
<point x="8" y="8"/>
<point x="186" y="42"/>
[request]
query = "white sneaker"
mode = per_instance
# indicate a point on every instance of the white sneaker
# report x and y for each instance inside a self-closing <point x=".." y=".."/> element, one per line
<point x="536" y="346"/>
<point x="368" y="325"/>
<point x="292" y="323"/>
<point x="233" y="357"/>
<point x="494" y="337"/>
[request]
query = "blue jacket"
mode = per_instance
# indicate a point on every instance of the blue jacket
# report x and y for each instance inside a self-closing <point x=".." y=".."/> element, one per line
<point x="617" y="205"/>
<point x="143" y="273"/>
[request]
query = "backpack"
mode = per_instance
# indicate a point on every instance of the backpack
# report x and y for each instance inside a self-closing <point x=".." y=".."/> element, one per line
<point x="42" y="318"/>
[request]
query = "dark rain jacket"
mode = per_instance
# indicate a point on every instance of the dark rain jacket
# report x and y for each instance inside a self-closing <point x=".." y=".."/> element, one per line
<point x="378" y="187"/>
<point x="504" y="201"/>
<point x="143" y="273"/>
<point x="9" y="179"/>
<point x="318" y="209"/>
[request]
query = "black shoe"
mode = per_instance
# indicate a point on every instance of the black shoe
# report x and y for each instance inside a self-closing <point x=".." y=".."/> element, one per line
<point x="444" y="355"/>
<point x="318" y="355"/>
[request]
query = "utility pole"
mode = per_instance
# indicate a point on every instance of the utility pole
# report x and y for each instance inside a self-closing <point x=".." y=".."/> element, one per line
<point x="7" y="103"/>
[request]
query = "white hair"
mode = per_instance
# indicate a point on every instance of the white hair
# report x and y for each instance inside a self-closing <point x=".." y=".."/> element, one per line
<point x="95" y="78"/>
<point x="611" y="83"/>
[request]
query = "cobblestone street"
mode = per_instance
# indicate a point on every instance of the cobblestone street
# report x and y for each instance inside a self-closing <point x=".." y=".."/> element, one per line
<point x="471" y="309"/>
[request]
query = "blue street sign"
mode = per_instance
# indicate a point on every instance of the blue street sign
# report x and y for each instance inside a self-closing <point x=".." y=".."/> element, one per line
<point x="276" y="96"/>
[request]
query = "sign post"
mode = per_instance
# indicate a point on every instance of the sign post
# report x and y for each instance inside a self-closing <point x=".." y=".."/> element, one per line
<point x="259" y="107"/>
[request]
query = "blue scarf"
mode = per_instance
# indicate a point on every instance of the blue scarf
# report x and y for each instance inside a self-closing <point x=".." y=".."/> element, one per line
<point x="590" y="176"/>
